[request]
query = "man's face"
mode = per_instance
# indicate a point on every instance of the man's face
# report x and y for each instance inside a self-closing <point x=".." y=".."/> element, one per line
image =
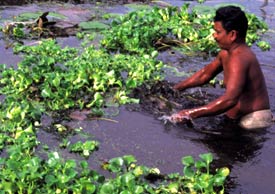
<point x="221" y="36"/>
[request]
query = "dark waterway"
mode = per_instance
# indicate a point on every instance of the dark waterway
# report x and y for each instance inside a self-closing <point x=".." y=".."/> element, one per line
<point x="250" y="155"/>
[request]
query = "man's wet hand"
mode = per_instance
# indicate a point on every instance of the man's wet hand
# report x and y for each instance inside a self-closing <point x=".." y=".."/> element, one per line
<point x="180" y="117"/>
<point x="176" y="87"/>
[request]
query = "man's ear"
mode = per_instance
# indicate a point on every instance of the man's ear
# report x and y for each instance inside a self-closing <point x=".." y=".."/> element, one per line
<point x="233" y="35"/>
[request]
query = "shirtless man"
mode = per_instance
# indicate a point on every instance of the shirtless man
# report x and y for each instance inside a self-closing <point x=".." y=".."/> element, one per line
<point x="246" y="97"/>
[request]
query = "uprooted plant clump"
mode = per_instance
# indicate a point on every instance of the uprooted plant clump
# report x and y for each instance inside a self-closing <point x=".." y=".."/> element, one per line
<point x="160" y="98"/>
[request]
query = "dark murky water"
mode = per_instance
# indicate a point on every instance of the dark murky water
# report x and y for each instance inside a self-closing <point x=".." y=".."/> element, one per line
<point x="250" y="155"/>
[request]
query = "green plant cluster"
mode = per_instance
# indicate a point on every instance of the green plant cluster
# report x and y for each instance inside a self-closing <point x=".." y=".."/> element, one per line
<point x="52" y="78"/>
<point x="198" y="176"/>
<point x="146" y="30"/>
<point x="61" y="78"/>
<point x="133" y="178"/>
<point x="85" y="148"/>
<point x="22" y="172"/>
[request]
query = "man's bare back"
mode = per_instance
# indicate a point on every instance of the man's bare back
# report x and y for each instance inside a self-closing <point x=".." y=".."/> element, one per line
<point x="247" y="74"/>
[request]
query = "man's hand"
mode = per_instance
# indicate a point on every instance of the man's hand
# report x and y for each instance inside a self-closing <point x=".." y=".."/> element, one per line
<point x="180" y="117"/>
<point x="177" y="87"/>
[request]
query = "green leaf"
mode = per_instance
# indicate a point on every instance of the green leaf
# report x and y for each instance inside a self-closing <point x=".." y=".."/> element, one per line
<point x="56" y="81"/>
<point x="46" y="92"/>
<point x="131" y="83"/>
<point x="28" y="16"/>
<point x="200" y="164"/>
<point x="70" y="164"/>
<point x="50" y="179"/>
<point x="93" y="25"/>
<point x="88" y="186"/>
<point x="116" y="164"/>
<point x="224" y="171"/>
<point x="107" y="188"/>
<point x="128" y="180"/>
<point x="7" y="186"/>
<point x="57" y="15"/>
<point x="154" y="54"/>
<point x="125" y="192"/>
<point x="208" y="157"/>
<point x="188" y="172"/>
<point x="84" y="164"/>
<point x="129" y="159"/>
<point x="138" y="6"/>
<point x="139" y="170"/>
<point x="173" y="187"/>
<point x="138" y="189"/>
<point x="219" y="180"/>
<point x="98" y="100"/>
<point x="187" y="160"/>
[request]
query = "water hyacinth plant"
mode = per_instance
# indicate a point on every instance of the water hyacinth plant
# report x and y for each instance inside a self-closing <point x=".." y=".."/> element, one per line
<point x="158" y="28"/>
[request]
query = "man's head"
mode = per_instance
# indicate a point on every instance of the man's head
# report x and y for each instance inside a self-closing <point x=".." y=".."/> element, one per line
<point x="232" y="18"/>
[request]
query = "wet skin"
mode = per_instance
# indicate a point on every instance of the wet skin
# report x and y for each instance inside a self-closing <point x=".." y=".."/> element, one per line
<point x="243" y="79"/>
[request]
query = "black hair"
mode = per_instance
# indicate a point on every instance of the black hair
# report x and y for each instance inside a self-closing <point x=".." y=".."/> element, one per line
<point x="232" y="18"/>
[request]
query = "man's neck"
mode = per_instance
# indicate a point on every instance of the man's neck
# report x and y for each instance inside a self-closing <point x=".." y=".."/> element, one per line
<point x="236" y="45"/>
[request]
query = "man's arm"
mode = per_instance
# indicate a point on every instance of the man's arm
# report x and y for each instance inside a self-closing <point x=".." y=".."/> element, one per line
<point x="202" y="76"/>
<point x="234" y="88"/>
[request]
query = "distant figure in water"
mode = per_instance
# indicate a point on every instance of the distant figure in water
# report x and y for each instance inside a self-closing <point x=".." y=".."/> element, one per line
<point x="246" y="98"/>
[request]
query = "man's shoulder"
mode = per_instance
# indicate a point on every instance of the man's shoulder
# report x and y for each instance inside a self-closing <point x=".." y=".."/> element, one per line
<point x="223" y="53"/>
